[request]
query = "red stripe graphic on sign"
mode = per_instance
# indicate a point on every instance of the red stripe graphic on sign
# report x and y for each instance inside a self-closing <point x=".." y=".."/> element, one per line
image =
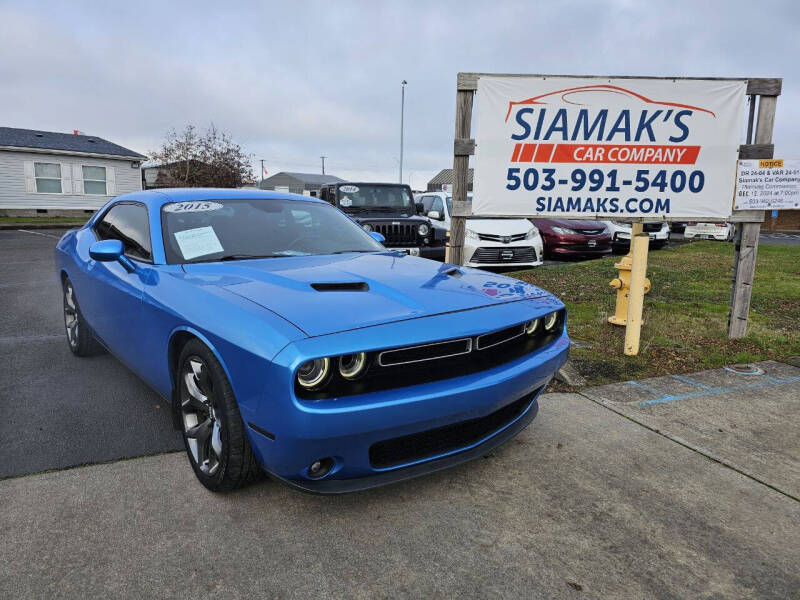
<point x="544" y="152"/>
<point x="515" y="154"/>
<point x="527" y="153"/>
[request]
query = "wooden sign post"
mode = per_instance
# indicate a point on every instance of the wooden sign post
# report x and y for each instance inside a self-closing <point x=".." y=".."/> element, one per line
<point x="748" y="222"/>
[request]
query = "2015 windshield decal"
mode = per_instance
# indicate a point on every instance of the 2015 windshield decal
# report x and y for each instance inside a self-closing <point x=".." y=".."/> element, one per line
<point x="184" y="207"/>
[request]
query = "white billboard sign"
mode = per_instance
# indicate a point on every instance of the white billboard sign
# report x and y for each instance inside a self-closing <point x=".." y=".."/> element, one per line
<point x="607" y="148"/>
<point x="769" y="184"/>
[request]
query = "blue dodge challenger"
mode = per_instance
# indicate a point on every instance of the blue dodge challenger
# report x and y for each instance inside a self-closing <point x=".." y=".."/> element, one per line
<point x="288" y="340"/>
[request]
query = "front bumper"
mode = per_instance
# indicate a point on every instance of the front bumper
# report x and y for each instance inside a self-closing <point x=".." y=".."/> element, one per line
<point x="483" y="253"/>
<point x="432" y="252"/>
<point x="357" y="484"/>
<point x="429" y="252"/>
<point x="623" y="238"/>
<point x="346" y="428"/>
<point x="705" y="235"/>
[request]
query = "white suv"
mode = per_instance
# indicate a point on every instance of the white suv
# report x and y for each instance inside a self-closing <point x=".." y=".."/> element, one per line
<point x="487" y="242"/>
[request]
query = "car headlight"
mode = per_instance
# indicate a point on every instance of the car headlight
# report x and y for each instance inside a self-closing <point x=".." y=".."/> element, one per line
<point x="352" y="366"/>
<point x="532" y="233"/>
<point x="531" y="327"/>
<point x="562" y="231"/>
<point x="367" y="227"/>
<point x="471" y="234"/>
<point x="550" y="321"/>
<point x="423" y="229"/>
<point x="314" y="374"/>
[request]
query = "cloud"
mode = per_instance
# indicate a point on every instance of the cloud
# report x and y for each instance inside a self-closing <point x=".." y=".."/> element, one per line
<point x="294" y="81"/>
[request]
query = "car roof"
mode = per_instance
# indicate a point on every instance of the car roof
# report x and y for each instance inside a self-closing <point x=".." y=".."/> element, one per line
<point x="157" y="198"/>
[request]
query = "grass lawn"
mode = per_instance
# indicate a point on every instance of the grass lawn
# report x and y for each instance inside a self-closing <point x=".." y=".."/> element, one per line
<point x="685" y="313"/>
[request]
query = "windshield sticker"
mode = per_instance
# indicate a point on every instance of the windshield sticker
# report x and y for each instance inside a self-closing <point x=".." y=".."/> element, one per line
<point x="198" y="242"/>
<point x="348" y="189"/>
<point x="183" y="207"/>
<point x="346" y="202"/>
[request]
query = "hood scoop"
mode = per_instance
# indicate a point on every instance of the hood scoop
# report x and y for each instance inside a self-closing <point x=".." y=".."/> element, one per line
<point x="344" y="286"/>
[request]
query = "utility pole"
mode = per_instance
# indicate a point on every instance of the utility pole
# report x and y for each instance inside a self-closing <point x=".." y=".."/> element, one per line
<point x="323" y="164"/>
<point x="402" y="115"/>
<point x="262" y="169"/>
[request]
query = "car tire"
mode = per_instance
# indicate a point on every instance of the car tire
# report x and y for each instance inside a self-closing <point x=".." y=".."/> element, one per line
<point x="212" y="427"/>
<point x="79" y="337"/>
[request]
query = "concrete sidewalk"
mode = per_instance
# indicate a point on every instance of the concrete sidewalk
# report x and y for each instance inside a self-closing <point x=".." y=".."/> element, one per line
<point x="749" y="421"/>
<point x="584" y="503"/>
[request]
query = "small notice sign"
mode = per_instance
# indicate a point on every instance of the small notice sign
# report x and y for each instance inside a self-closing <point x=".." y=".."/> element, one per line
<point x="769" y="184"/>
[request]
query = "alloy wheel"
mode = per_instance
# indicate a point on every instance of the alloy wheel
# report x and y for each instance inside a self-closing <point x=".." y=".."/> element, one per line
<point x="201" y="423"/>
<point x="71" y="316"/>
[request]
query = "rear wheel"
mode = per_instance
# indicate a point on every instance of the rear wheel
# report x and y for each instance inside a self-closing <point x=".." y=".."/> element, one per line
<point x="213" y="430"/>
<point x="79" y="337"/>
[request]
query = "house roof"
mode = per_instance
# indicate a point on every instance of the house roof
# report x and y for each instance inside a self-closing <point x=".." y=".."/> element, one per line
<point x="62" y="142"/>
<point x="446" y="176"/>
<point x="306" y="178"/>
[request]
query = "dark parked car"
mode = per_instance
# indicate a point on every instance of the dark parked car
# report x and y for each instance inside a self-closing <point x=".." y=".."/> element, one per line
<point x="565" y="238"/>
<point x="388" y="209"/>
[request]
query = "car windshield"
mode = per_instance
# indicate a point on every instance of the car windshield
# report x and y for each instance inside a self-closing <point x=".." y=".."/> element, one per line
<point x="208" y="231"/>
<point x="378" y="198"/>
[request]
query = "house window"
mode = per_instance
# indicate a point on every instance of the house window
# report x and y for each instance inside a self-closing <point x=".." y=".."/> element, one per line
<point x="48" y="178"/>
<point x="94" y="180"/>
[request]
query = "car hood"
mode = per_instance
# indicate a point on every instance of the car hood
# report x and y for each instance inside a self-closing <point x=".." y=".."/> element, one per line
<point x="329" y="294"/>
<point x="575" y="225"/>
<point x="500" y="226"/>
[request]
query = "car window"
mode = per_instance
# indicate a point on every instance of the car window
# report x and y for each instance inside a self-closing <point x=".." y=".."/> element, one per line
<point x="127" y="223"/>
<point x="228" y="229"/>
<point x="437" y="205"/>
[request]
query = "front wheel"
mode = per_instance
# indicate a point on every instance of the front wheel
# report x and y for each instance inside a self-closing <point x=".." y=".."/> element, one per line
<point x="79" y="337"/>
<point x="213" y="430"/>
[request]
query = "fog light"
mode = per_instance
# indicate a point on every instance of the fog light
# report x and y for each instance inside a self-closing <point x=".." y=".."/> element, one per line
<point x="314" y="373"/>
<point x="531" y="327"/>
<point x="320" y="468"/>
<point x="351" y="366"/>
<point x="550" y="321"/>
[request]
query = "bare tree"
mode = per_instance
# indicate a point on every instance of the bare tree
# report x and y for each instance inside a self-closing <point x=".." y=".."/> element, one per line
<point x="210" y="159"/>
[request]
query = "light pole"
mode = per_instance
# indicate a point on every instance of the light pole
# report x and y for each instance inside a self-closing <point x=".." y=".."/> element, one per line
<point x="323" y="164"/>
<point x="402" y="111"/>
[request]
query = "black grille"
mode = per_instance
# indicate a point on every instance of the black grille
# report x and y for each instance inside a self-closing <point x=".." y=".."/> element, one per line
<point x="401" y="234"/>
<point x="590" y="231"/>
<point x="419" y="446"/>
<point x="650" y="227"/>
<point x="522" y="254"/>
<point x="498" y="337"/>
<point x="422" y="353"/>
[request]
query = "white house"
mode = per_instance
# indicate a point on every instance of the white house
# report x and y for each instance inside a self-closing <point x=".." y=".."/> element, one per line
<point x="47" y="170"/>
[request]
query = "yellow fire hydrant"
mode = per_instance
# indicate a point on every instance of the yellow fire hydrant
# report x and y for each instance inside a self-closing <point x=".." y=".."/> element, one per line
<point x="622" y="283"/>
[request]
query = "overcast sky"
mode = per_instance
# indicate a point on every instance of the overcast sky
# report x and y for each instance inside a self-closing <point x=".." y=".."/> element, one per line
<point x="293" y="81"/>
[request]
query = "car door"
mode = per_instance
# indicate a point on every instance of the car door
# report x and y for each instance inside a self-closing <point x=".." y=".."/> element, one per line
<point x="114" y="299"/>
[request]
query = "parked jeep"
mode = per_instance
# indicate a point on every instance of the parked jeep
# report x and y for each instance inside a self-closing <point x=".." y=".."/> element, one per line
<point x="388" y="209"/>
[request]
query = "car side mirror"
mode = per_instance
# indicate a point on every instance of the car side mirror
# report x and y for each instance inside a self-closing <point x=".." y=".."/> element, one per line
<point x="377" y="237"/>
<point x="434" y="214"/>
<point x="111" y="251"/>
<point x="420" y="207"/>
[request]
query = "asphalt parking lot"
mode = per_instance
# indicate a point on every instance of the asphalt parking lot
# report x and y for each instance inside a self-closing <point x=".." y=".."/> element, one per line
<point x="676" y="487"/>
<point x="60" y="410"/>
